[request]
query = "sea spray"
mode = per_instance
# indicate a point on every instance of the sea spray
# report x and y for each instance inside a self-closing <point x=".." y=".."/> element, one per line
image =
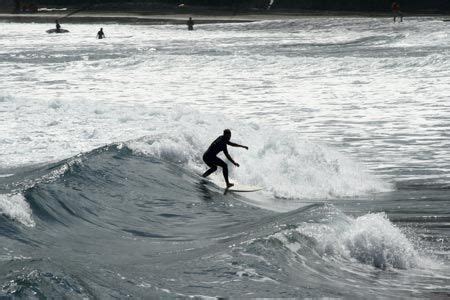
<point x="284" y="163"/>
<point x="369" y="239"/>
<point x="16" y="208"/>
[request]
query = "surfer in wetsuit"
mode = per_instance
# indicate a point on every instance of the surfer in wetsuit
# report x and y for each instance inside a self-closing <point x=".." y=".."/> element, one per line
<point x="190" y="24"/>
<point x="58" y="26"/>
<point x="100" y="34"/>
<point x="396" y="11"/>
<point x="211" y="159"/>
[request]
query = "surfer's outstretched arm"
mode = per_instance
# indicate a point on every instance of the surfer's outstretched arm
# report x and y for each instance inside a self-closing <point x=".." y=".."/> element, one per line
<point x="229" y="157"/>
<point x="237" y="145"/>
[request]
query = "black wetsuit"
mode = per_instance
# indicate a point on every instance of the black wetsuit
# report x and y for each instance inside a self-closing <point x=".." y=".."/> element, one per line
<point x="190" y="24"/>
<point x="211" y="159"/>
<point x="100" y="35"/>
<point x="210" y="156"/>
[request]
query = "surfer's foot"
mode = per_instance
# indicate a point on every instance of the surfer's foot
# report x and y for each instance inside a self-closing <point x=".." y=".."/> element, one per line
<point x="229" y="185"/>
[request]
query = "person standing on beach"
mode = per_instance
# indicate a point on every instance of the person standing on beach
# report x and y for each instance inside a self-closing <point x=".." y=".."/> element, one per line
<point x="17" y="6"/>
<point x="396" y="11"/>
<point x="190" y="24"/>
<point x="211" y="159"/>
<point x="100" y="34"/>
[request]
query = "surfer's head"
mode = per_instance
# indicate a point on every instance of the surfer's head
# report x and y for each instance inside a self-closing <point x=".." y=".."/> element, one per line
<point x="227" y="134"/>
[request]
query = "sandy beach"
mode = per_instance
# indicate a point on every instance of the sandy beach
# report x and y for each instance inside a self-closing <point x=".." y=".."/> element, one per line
<point x="200" y="17"/>
<point x="138" y="18"/>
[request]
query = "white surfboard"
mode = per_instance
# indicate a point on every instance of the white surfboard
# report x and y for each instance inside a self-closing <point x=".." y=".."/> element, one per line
<point x="237" y="187"/>
<point x="242" y="188"/>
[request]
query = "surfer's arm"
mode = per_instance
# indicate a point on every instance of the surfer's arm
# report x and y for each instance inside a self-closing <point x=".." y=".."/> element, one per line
<point x="237" y="145"/>
<point x="229" y="157"/>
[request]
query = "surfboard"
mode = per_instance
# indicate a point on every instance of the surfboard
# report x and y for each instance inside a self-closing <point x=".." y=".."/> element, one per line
<point x="60" y="31"/>
<point x="242" y="188"/>
<point x="237" y="187"/>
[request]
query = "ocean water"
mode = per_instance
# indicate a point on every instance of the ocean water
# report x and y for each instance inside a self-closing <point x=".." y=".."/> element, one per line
<point x="347" y="124"/>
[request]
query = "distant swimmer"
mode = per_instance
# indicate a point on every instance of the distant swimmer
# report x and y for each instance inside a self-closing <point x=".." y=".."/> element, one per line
<point x="211" y="159"/>
<point x="396" y="11"/>
<point x="190" y="24"/>
<point x="58" y="26"/>
<point x="100" y="34"/>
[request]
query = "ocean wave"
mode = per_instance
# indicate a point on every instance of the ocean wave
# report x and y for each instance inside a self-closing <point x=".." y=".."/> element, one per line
<point x="23" y="178"/>
<point x="32" y="283"/>
<point x="284" y="166"/>
<point x="362" y="41"/>
<point x="285" y="163"/>
<point x="282" y="163"/>
<point x="151" y="207"/>
<point x="371" y="239"/>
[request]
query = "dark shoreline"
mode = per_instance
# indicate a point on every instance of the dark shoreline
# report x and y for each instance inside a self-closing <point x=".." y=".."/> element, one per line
<point x="200" y="17"/>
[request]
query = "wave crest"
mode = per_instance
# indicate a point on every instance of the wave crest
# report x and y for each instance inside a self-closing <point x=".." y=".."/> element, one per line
<point x="16" y="208"/>
<point x="370" y="239"/>
<point x="282" y="162"/>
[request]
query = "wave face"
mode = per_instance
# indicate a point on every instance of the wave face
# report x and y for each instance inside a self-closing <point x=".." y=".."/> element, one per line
<point x="113" y="223"/>
<point x="303" y="169"/>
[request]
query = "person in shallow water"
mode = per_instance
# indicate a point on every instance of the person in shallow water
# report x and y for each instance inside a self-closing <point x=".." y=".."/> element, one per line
<point x="101" y="34"/>
<point x="190" y="24"/>
<point x="58" y="26"/>
<point x="211" y="159"/>
<point x="396" y="11"/>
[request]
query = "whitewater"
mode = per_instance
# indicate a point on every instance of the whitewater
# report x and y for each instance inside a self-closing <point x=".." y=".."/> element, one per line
<point x="347" y="124"/>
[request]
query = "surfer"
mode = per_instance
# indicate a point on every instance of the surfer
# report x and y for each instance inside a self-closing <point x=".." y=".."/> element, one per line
<point x="211" y="159"/>
<point x="190" y="24"/>
<point x="100" y="34"/>
<point x="396" y="11"/>
<point x="58" y="26"/>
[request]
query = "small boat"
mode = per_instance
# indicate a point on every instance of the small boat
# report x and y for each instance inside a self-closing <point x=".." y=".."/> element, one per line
<point x="57" y="31"/>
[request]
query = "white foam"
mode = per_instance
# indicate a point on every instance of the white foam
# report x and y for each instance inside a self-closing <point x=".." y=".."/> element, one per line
<point x="6" y="175"/>
<point x="16" y="208"/>
<point x="370" y="239"/>
<point x="283" y="163"/>
<point x="263" y="73"/>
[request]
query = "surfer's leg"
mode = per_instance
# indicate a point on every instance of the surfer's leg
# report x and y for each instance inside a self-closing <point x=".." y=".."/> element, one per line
<point x="210" y="161"/>
<point x="210" y="171"/>
<point x="224" y="167"/>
